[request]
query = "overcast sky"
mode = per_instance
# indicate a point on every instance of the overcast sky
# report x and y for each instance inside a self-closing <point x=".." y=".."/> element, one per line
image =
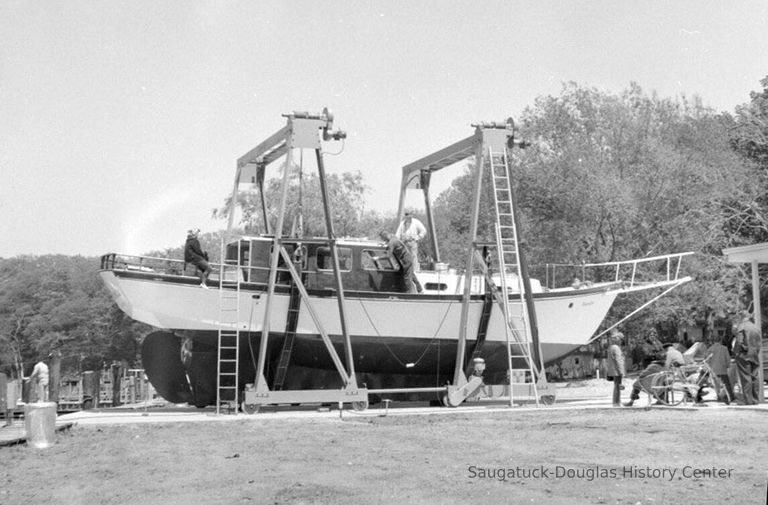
<point x="120" y="122"/>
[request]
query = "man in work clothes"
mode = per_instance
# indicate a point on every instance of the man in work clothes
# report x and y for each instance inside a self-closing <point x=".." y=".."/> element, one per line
<point x="746" y="349"/>
<point x="614" y="368"/>
<point x="195" y="255"/>
<point x="397" y="250"/>
<point x="673" y="358"/>
<point x="410" y="231"/>
<point x="40" y="375"/>
<point x="719" y="363"/>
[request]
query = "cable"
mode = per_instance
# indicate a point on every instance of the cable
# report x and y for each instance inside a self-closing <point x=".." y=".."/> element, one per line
<point x="343" y="144"/>
<point x="423" y="353"/>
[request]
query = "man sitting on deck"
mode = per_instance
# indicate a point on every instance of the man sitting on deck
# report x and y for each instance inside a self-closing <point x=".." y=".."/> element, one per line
<point x="195" y="255"/>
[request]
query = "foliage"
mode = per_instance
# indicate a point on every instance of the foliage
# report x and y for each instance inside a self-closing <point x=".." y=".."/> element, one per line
<point x="304" y="212"/>
<point x="749" y="131"/>
<point x="57" y="303"/>
<point x="620" y="176"/>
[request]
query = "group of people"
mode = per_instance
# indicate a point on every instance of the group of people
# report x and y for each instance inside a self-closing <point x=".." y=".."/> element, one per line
<point x="745" y="351"/>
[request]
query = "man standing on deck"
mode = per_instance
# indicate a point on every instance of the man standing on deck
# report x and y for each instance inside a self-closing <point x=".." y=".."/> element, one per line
<point x="195" y="255"/>
<point x="397" y="250"/>
<point x="410" y="231"/>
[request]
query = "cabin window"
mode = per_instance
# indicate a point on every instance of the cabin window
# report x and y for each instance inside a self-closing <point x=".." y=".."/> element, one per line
<point x="383" y="262"/>
<point x="435" y="286"/>
<point x="325" y="260"/>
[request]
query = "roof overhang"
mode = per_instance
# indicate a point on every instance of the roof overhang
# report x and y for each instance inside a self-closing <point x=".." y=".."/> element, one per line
<point x="747" y="253"/>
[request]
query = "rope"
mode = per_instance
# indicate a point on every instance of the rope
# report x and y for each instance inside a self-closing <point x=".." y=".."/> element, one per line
<point x="424" y="352"/>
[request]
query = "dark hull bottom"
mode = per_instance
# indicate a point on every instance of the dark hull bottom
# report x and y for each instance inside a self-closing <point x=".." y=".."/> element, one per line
<point x="183" y="370"/>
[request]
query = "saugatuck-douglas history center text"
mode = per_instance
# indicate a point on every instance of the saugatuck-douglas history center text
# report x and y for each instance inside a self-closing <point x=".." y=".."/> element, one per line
<point x="596" y="472"/>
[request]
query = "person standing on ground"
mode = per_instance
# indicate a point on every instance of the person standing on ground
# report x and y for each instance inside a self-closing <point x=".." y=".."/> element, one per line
<point x="195" y="255"/>
<point x="746" y="350"/>
<point x="397" y="250"/>
<point x="410" y="231"/>
<point x="40" y="376"/>
<point x="719" y="363"/>
<point x="615" y="367"/>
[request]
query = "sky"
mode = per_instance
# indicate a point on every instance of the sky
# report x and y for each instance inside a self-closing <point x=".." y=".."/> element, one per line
<point x="121" y="121"/>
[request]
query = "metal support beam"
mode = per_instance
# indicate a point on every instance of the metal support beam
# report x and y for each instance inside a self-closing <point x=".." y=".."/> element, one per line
<point x="336" y="269"/>
<point x="458" y="376"/>
<point x="759" y="323"/>
<point x="425" y="179"/>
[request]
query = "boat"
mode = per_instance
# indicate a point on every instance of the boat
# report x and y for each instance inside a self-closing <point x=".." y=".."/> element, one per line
<point x="318" y="299"/>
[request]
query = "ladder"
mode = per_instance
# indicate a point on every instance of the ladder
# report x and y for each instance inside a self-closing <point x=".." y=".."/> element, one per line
<point x="228" y="350"/>
<point x="507" y="246"/>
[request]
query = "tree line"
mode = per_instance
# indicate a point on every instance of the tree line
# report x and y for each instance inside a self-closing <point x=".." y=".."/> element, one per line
<point x="606" y="176"/>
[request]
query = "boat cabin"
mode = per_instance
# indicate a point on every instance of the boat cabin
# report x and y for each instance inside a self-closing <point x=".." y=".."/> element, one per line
<point x="364" y="265"/>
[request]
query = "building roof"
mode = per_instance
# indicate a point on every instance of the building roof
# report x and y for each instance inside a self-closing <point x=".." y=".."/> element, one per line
<point x="747" y="253"/>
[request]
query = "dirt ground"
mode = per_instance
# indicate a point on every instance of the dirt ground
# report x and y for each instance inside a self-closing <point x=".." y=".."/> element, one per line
<point x="598" y="456"/>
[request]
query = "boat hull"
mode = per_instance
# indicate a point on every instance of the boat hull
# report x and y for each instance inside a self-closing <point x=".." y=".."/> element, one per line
<point x="397" y="340"/>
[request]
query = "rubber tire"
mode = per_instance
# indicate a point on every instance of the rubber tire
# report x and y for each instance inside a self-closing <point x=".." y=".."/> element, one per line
<point x="547" y="399"/>
<point x="664" y="390"/>
<point x="249" y="408"/>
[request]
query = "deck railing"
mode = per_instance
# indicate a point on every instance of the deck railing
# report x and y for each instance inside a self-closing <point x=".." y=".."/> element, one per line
<point x="666" y="267"/>
<point x="176" y="267"/>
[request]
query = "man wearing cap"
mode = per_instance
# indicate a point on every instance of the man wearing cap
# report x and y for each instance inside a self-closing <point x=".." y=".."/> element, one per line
<point x="746" y="351"/>
<point x="410" y="231"/>
<point x="673" y="356"/>
<point x="195" y="255"/>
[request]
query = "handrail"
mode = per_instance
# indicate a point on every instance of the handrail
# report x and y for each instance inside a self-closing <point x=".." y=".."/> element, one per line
<point x="176" y="267"/>
<point x="635" y="267"/>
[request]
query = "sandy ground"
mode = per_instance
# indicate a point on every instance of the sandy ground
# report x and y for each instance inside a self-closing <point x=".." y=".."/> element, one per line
<point x="580" y="451"/>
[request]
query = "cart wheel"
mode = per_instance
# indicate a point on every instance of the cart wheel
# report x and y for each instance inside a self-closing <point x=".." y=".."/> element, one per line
<point x="360" y="406"/>
<point x="250" y="408"/>
<point x="548" y="399"/>
<point x="668" y="388"/>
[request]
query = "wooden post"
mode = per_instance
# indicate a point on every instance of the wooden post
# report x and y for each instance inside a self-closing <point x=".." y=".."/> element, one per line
<point x="759" y="324"/>
<point x="54" y="381"/>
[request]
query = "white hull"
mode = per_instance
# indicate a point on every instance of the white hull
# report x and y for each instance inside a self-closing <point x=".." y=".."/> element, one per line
<point x="566" y="319"/>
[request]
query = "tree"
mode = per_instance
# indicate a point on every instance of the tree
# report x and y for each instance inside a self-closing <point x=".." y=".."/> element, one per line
<point x="619" y="176"/>
<point x="748" y="216"/>
<point x="304" y="213"/>
<point x="58" y="303"/>
<point x="749" y="131"/>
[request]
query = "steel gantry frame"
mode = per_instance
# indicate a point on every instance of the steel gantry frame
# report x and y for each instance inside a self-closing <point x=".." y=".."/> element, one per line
<point x="307" y="131"/>
<point x="490" y="145"/>
<point x="302" y="131"/>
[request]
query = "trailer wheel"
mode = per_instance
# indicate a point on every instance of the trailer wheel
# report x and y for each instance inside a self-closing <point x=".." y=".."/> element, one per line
<point x="360" y="406"/>
<point x="548" y="399"/>
<point x="250" y="408"/>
